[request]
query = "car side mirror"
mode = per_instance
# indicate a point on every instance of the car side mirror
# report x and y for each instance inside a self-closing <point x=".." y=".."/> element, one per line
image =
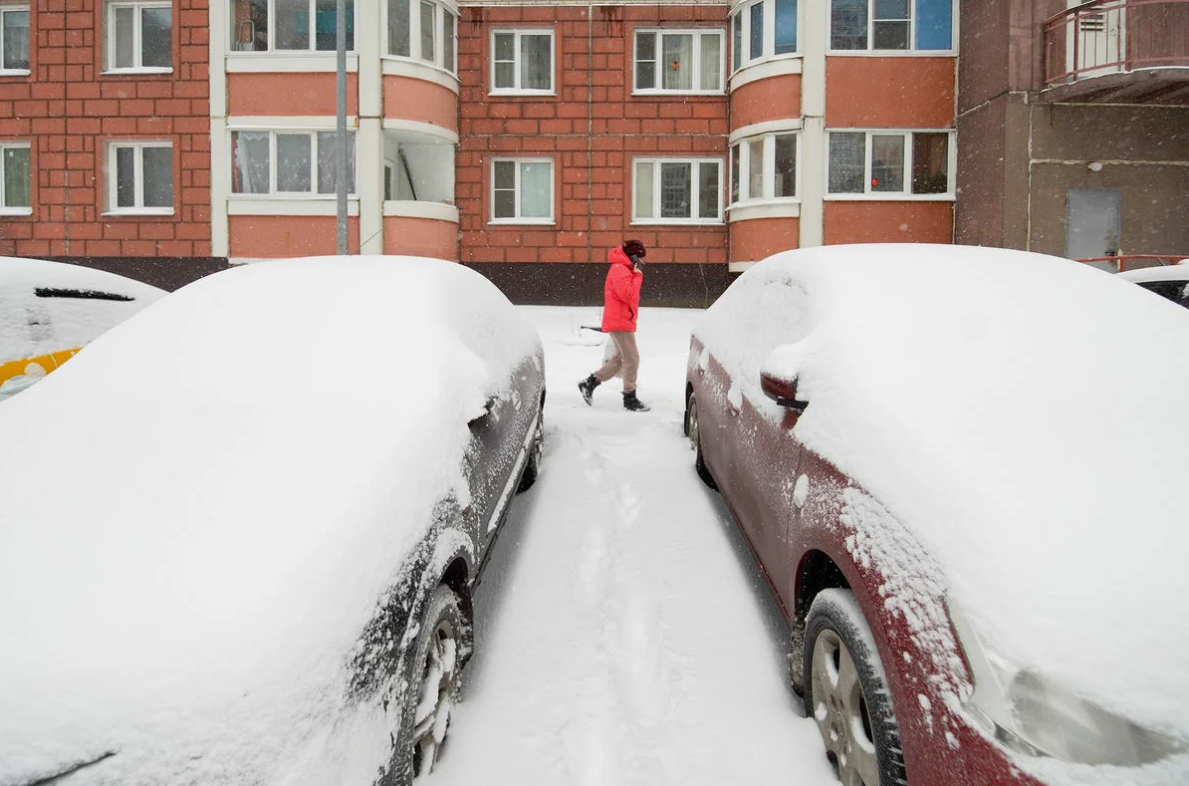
<point x="781" y="390"/>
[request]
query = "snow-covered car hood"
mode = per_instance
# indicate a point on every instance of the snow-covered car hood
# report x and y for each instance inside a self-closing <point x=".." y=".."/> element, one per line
<point x="1024" y="417"/>
<point x="199" y="513"/>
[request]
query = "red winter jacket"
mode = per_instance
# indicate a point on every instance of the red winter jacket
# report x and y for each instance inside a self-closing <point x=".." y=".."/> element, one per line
<point x="621" y="293"/>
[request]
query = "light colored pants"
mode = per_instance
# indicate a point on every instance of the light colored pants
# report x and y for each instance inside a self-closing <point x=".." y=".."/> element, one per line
<point x="627" y="358"/>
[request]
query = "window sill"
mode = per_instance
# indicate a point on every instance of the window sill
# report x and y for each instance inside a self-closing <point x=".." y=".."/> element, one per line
<point x="8" y="212"/>
<point x="661" y="93"/>
<point x="141" y="212"/>
<point x="137" y="72"/>
<point x="523" y="93"/>
<point x="891" y="53"/>
<point x="677" y="222"/>
<point x="521" y="222"/>
<point x="15" y="72"/>
<point x="889" y="197"/>
<point x="765" y="69"/>
<point x="287" y="62"/>
<point x="297" y="205"/>
<point x="764" y="208"/>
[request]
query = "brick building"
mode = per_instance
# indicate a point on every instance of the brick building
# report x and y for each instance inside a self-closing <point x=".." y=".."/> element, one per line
<point x="520" y="137"/>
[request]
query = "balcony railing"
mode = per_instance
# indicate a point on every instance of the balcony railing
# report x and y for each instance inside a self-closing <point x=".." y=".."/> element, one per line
<point x="1105" y="37"/>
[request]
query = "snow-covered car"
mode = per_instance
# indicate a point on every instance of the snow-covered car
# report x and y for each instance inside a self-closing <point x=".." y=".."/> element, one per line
<point x="1168" y="281"/>
<point x="967" y="495"/>
<point x="239" y="534"/>
<point x="50" y="310"/>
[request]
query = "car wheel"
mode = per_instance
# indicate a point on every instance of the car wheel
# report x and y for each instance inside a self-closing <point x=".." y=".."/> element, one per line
<point x="532" y="467"/>
<point x="846" y="693"/>
<point x="695" y="441"/>
<point x="437" y="667"/>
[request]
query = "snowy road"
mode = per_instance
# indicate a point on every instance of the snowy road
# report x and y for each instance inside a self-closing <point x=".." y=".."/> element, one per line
<point x="624" y="635"/>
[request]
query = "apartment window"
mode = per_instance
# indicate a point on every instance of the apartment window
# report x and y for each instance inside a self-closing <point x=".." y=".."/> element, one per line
<point x="891" y="25"/>
<point x="15" y="196"/>
<point x="522" y="190"/>
<point x="423" y="30"/>
<point x="138" y="36"/>
<point x="418" y="167"/>
<point x="890" y="163"/>
<point x="14" y="38"/>
<point x="677" y="191"/>
<point x="522" y="61"/>
<point x="140" y="177"/>
<point x="683" y="61"/>
<point x="288" y="25"/>
<point x="764" y="167"/>
<point x="771" y="31"/>
<point x="289" y="163"/>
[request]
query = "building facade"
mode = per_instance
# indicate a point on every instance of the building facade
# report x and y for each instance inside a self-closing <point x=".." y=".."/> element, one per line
<point x="521" y="138"/>
<point x="1074" y="121"/>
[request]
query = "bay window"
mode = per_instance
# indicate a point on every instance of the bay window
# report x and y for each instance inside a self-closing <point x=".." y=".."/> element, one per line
<point x="288" y="25"/>
<point x="890" y="163"/>
<point x="668" y="190"/>
<point x="522" y="190"/>
<point x="522" y="61"/>
<point x="891" y="25"/>
<point x="423" y="30"/>
<point x="763" y="30"/>
<point x="288" y="163"/>
<point x="764" y="168"/>
<point x="679" y="61"/>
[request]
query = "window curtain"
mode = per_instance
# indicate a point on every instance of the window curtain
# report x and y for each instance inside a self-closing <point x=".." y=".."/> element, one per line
<point x="295" y="157"/>
<point x="536" y="190"/>
<point x="678" y="61"/>
<point x="251" y="162"/>
<point x="935" y="24"/>
<point x="887" y="162"/>
<point x="847" y="156"/>
<point x="328" y="162"/>
<point x="536" y="65"/>
<point x="711" y="59"/>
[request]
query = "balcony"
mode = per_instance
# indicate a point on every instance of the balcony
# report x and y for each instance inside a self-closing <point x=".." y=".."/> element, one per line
<point x="1118" y="51"/>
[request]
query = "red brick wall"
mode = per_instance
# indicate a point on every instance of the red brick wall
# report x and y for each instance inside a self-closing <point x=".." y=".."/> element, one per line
<point x="68" y="110"/>
<point x="592" y="129"/>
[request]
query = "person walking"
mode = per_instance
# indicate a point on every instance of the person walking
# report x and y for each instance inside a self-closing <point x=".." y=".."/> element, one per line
<point x="621" y="305"/>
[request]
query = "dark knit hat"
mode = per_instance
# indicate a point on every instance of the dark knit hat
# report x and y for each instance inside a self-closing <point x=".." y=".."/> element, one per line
<point x="634" y="248"/>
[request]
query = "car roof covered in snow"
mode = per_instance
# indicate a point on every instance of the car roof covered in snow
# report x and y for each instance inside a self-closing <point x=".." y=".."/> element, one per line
<point x="1178" y="272"/>
<point x="1023" y="416"/>
<point x="202" y="509"/>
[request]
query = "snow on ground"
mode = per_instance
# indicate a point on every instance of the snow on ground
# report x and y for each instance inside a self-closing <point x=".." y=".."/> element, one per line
<point x="624" y="633"/>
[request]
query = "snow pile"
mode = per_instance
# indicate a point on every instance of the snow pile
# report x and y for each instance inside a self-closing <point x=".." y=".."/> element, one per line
<point x="201" y="510"/>
<point x="1024" y="417"/>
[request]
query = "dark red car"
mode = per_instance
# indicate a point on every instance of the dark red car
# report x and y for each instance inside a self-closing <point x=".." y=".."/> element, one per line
<point x="931" y="453"/>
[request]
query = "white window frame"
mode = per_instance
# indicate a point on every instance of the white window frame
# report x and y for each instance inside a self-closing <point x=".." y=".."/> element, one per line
<point x="109" y="36"/>
<point x="517" y="219"/>
<point x="520" y="32"/>
<point x="441" y="10"/>
<point x="741" y="56"/>
<point x="695" y="197"/>
<point x="697" y="33"/>
<point x="6" y="9"/>
<point x="274" y="52"/>
<point x="905" y="195"/>
<point x="112" y="177"/>
<point x="911" y="51"/>
<point x="769" y="169"/>
<point x="17" y="210"/>
<point x="273" y="193"/>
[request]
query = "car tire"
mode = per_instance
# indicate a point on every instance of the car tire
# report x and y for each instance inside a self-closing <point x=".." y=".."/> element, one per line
<point x="694" y="433"/>
<point x="533" y="466"/>
<point x="846" y="693"/>
<point x="436" y="672"/>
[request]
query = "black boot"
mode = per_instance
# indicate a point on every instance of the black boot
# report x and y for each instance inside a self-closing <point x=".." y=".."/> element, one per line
<point x="633" y="404"/>
<point x="587" y="388"/>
